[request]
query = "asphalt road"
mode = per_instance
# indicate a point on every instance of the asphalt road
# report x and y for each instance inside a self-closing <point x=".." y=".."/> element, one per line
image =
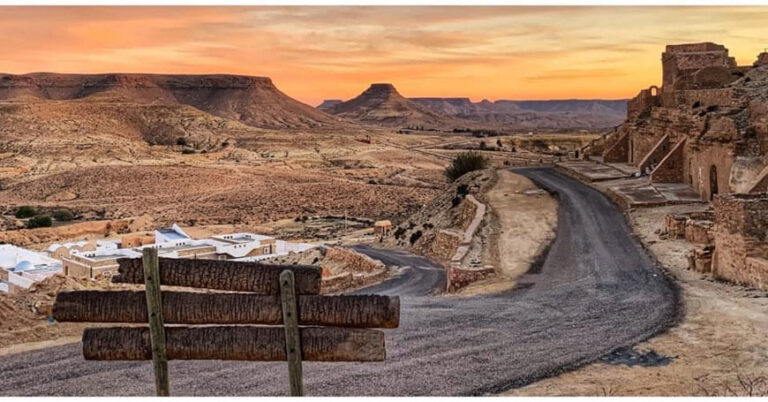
<point x="594" y="292"/>
<point x="416" y="276"/>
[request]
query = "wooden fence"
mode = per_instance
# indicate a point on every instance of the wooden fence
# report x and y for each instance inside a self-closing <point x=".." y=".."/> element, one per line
<point x="248" y="311"/>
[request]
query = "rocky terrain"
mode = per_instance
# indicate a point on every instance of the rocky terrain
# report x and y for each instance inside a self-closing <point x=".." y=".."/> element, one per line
<point x="433" y="229"/>
<point x="24" y="316"/>
<point x="533" y="115"/>
<point x="211" y="195"/>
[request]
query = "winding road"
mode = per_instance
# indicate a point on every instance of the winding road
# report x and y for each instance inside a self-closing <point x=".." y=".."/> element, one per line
<point x="595" y="291"/>
<point x="416" y="276"/>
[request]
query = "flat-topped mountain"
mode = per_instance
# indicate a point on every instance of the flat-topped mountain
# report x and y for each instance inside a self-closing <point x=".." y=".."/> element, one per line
<point x="254" y="101"/>
<point x="381" y="104"/>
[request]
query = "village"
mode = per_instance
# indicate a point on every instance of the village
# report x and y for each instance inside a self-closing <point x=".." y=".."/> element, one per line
<point x="423" y="245"/>
<point x="97" y="259"/>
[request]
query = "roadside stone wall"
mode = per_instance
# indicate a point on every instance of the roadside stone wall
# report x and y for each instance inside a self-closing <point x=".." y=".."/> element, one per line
<point x="356" y="262"/>
<point x="441" y="244"/>
<point x="675" y="224"/>
<point x="467" y="214"/>
<point x="351" y="281"/>
<point x="698" y="231"/>
<point x="459" y="278"/>
<point x="741" y="226"/>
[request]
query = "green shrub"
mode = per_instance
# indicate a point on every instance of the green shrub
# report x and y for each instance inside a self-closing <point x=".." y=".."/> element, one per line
<point x="25" y="211"/>
<point x="464" y="163"/>
<point x="39" y="221"/>
<point x="63" y="215"/>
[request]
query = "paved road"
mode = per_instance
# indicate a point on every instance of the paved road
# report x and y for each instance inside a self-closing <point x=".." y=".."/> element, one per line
<point x="595" y="291"/>
<point x="416" y="276"/>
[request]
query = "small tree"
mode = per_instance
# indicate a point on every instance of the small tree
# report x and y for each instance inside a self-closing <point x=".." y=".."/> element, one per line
<point x="464" y="163"/>
<point x="25" y="211"/>
<point x="63" y="215"/>
<point x="39" y="221"/>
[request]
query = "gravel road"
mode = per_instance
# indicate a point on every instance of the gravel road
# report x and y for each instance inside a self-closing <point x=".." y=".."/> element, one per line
<point x="596" y="291"/>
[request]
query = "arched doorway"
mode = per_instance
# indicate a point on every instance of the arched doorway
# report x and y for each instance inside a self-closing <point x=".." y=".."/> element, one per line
<point x="712" y="182"/>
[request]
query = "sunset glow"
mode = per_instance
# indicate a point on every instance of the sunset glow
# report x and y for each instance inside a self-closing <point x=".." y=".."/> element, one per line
<point x="316" y="53"/>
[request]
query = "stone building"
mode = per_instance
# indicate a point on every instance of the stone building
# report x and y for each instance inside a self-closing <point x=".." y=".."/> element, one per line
<point x="706" y="126"/>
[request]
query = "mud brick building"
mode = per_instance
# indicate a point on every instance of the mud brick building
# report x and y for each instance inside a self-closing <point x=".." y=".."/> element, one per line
<point x="706" y="127"/>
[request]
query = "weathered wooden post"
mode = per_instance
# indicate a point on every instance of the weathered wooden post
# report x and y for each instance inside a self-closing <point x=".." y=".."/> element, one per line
<point x="156" y="328"/>
<point x="292" y="336"/>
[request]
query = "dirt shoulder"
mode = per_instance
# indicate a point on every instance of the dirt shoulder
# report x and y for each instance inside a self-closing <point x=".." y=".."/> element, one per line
<point x="522" y="221"/>
<point x="719" y="347"/>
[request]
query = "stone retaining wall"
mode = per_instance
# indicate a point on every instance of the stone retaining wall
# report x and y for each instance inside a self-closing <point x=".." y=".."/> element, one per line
<point x="460" y="277"/>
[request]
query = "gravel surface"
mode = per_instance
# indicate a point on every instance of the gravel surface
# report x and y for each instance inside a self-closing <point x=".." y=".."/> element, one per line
<point x="596" y="291"/>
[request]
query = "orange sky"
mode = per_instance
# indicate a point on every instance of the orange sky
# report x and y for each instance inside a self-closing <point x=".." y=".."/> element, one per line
<point x="314" y="53"/>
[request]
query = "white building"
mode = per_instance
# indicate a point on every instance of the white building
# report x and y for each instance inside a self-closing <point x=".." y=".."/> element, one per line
<point x="96" y="264"/>
<point x="175" y="233"/>
<point x="98" y="259"/>
<point x="61" y="250"/>
<point x="20" y="268"/>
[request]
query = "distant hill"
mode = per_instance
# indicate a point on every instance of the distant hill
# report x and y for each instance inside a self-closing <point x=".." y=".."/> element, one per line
<point x="533" y="114"/>
<point x="328" y="104"/>
<point x="254" y="101"/>
<point x="382" y="105"/>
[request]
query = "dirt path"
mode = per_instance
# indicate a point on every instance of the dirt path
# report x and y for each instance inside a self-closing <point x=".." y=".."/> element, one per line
<point x="523" y="220"/>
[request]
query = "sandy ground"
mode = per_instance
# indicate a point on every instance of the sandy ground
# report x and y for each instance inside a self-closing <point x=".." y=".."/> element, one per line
<point x="523" y="218"/>
<point x="719" y="348"/>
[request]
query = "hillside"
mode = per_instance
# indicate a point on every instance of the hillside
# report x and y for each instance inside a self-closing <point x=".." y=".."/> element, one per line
<point x="382" y="105"/>
<point x="254" y="101"/>
<point x="532" y="115"/>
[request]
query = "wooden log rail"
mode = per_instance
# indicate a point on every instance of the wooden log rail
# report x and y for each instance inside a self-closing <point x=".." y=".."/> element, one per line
<point x="364" y="311"/>
<point x="235" y="343"/>
<point x="222" y="275"/>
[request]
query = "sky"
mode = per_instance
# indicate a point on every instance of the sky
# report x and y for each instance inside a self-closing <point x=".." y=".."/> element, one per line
<point x="324" y="52"/>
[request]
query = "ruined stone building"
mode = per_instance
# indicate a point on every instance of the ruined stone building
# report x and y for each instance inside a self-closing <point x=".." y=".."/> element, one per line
<point x="706" y="126"/>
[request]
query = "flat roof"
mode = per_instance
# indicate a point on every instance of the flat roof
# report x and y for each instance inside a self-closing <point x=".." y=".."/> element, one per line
<point x="183" y="247"/>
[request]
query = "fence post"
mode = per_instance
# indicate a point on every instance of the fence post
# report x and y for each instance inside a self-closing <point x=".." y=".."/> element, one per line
<point x="156" y="328"/>
<point x="292" y="336"/>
